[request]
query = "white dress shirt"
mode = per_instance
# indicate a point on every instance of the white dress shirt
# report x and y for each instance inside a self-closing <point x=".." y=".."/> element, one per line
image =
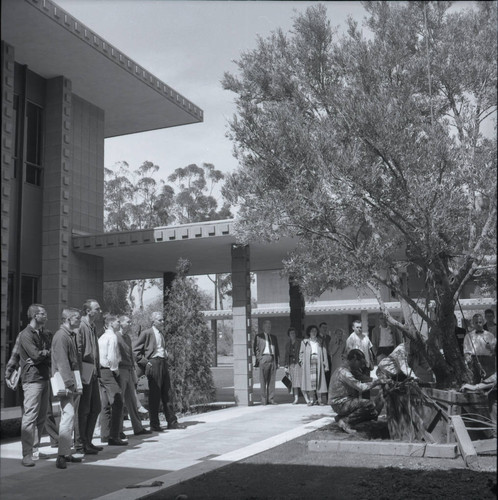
<point x="109" y="350"/>
<point x="160" y="351"/>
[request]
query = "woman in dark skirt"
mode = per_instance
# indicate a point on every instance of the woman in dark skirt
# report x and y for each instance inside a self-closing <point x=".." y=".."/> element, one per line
<point x="291" y="360"/>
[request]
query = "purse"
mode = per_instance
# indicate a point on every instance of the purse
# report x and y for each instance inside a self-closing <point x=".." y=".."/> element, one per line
<point x="287" y="382"/>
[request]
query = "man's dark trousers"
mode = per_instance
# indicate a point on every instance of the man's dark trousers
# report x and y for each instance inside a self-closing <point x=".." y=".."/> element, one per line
<point x="160" y="390"/>
<point x="88" y="413"/>
<point x="112" y="404"/>
<point x="267" y="371"/>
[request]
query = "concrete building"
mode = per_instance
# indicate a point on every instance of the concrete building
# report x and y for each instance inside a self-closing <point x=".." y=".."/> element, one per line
<point x="64" y="91"/>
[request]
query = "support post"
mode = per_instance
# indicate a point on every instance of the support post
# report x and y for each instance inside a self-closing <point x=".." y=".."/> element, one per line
<point x="364" y="321"/>
<point x="214" y="329"/>
<point x="297" y="305"/>
<point x="241" y="313"/>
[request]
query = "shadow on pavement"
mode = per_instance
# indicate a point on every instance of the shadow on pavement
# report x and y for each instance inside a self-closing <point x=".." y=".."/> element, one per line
<point x="77" y="482"/>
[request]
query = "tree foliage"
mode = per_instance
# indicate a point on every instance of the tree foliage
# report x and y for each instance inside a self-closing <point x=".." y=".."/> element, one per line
<point x="116" y="297"/>
<point x="194" y="201"/>
<point x="369" y="148"/>
<point x="188" y="341"/>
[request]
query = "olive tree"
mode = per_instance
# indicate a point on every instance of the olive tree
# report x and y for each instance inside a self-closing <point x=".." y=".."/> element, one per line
<point x="370" y="149"/>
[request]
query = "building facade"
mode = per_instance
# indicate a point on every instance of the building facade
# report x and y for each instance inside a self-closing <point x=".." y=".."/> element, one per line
<point x="64" y="91"/>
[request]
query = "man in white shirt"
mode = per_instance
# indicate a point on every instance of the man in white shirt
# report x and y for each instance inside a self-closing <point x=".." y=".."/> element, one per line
<point x="110" y="391"/>
<point x="479" y="350"/>
<point x="359" y="340"/>
<point x="150" y="353"/>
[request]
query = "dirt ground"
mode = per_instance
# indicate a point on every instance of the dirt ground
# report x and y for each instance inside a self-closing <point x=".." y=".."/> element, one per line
<point x="292" y="472"/>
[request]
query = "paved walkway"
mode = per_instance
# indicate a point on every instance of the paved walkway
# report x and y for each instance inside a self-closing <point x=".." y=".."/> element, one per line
<point x="211" y="440"/>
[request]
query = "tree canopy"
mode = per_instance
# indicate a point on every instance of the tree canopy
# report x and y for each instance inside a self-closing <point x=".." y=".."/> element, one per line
<point x="369" y="148"/>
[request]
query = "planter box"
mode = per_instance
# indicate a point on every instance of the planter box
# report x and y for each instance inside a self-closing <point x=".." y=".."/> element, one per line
<point x="454" y="403"/>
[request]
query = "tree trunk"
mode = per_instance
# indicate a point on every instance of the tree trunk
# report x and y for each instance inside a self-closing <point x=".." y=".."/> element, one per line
<point x="141" y="290"/>
<point x="131" y="299"/>
<point x="429" y="349"/>
<point x="452" y="369"/>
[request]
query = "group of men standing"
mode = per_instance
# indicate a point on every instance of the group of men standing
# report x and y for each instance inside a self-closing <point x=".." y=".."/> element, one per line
<point x="106" y="366"/>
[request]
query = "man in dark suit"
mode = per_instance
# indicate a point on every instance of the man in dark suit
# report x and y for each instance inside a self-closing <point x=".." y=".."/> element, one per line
<point x="266" y="352"/>
<point x="151" y="355"/>
<point x="89" y="407"/>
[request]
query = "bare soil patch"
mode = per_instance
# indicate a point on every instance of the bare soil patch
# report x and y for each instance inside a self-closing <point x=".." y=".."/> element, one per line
<point x="291" y="471"/>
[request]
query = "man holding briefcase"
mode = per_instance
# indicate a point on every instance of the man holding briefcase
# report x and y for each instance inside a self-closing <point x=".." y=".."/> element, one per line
<point x="65" y="360"/>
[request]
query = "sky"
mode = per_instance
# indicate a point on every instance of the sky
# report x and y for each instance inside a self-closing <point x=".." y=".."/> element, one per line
<point x="189" y="45"/>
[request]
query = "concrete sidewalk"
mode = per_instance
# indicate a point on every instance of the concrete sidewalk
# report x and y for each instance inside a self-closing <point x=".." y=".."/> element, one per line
<point x="211" y="440"/>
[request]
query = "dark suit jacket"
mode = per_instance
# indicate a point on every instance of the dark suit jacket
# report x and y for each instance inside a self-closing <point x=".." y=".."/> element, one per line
<point x="260" y="344"/>
<point x="145" y="347"/>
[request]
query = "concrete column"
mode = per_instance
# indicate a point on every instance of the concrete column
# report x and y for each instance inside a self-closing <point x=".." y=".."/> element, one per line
<point x="8" y="144"/>
<point x="56" y="198"/>
<point x="297" y="304"/>
<point x="214" y="329"/>
<point x="364" y="321"/>
<point x="241" y="309"/>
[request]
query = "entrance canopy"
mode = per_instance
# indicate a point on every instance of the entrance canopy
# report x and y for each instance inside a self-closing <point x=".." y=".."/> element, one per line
<point x="51" y="42"/>
<point x="149" y="253"/>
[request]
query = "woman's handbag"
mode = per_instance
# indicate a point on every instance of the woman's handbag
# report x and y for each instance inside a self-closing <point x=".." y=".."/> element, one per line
<point x="287" y="382"/>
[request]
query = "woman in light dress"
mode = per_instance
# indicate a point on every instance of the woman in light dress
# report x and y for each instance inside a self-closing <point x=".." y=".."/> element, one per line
<point x="314" y="364"/>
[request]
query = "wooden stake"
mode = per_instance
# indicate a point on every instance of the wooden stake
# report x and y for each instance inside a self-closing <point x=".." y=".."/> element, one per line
<point x="467" y="449"/>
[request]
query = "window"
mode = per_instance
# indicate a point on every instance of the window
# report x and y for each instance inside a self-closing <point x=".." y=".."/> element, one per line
<point x="34" y="139"/>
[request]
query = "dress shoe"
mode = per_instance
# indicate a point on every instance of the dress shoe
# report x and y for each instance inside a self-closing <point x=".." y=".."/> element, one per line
<point x="60" y="463"/>
<point x="97" y="448"/>
<point x="117" y="442"/>
<point x="156" y="428"/>
<point x="71" y="458"/>
<point x="28" y="461"/>
<point x="90" y="451"/>
<point x="176" y="425"/>
<point x="142" y="432"/>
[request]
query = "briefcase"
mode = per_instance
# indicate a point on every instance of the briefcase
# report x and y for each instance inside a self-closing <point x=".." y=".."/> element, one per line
<point x="287" y="382"/>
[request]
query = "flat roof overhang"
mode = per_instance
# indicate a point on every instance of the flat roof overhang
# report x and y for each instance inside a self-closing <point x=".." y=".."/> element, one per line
<point x="149" y="253"/>
<point x="52" y="43"/>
